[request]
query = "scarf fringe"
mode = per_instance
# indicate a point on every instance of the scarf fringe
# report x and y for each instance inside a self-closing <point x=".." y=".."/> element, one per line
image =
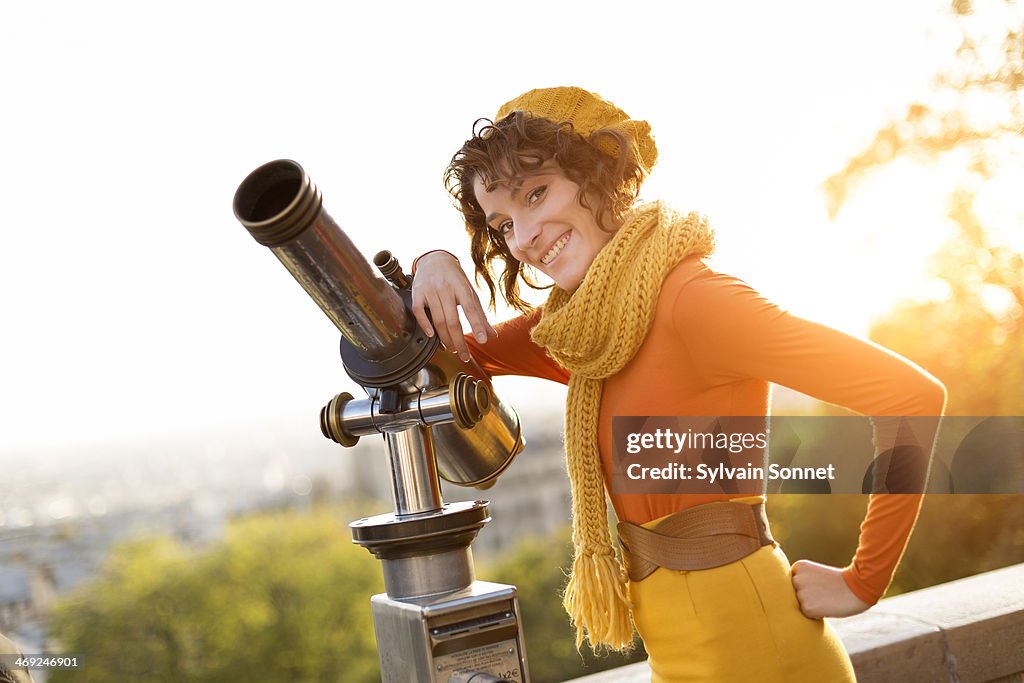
<point x="596" y="601"/>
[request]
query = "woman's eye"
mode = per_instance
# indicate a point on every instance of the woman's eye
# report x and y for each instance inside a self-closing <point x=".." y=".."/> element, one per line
<point x="536" y="194"/>
<point x="505" y="228"/>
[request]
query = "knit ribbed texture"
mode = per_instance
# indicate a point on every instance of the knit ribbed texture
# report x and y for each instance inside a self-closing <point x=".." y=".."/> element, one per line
<point x="588" y="113"/>
<point x="593" y="332"/>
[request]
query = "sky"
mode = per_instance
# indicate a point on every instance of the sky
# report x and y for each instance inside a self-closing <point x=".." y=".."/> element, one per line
<point x="133" y="305"/>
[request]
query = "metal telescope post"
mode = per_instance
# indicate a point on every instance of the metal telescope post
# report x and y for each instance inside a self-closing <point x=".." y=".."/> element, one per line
<point x="439" y="417"/>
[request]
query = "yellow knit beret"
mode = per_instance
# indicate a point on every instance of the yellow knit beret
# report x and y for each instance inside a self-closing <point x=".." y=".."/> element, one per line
<point x="588" y="113"/>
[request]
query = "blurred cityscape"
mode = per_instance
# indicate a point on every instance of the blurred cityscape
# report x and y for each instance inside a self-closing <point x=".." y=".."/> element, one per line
<point x="60" y="513"/>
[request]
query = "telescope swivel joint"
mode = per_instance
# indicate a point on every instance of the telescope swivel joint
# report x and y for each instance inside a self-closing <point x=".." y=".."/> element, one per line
<point x="464" y="401"/>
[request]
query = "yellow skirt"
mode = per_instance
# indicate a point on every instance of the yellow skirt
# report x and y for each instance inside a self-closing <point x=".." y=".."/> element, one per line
<point x="738" y="622"/>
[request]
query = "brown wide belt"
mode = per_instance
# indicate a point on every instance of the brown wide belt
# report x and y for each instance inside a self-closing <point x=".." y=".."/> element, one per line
<point x="700" y="537"/>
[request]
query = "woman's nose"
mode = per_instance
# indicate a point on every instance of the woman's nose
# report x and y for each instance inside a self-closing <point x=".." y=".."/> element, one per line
<point x="525" y="232"/>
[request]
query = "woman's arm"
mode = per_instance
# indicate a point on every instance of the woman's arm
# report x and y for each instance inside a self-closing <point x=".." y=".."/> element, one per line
<point x="513" y="352"/>
<point x="735" y="333"/>
<point x="440" y="286"/>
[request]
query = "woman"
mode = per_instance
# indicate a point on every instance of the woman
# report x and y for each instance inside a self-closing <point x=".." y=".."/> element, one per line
<point x="637" y="324"/>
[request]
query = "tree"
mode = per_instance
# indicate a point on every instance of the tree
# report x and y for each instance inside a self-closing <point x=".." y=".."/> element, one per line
<point x="975" y="109"/>
<point x="283" y="597"/>
<point x="975" y="118"/>
<point x="973" y="337"/>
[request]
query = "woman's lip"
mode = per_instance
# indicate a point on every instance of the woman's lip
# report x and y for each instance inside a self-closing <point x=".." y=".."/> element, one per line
<point x="567" y="234"/>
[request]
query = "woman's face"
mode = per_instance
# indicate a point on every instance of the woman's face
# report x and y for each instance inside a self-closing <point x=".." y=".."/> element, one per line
<point x="543" y="223"/>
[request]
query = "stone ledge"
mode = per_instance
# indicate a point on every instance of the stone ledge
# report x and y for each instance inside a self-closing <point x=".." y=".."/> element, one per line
<point x="966" y="630"/>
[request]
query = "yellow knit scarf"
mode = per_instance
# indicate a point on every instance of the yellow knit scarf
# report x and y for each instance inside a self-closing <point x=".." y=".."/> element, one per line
<point x="593" y="332"/>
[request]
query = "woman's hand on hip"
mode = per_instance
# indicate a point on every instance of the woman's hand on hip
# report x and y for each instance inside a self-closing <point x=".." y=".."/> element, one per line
<point x="440" y="286"/>
<point x="822" y="591"/>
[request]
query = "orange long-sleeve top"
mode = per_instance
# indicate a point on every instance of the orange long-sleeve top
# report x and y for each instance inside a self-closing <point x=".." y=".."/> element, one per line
<point x="714" y="348"/>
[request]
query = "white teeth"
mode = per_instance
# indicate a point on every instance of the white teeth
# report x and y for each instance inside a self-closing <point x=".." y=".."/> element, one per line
<point x="555" y="249"/>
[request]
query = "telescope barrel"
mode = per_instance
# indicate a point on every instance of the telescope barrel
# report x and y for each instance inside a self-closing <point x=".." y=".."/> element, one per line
<point x="383" y="347"/>
<point x="283" y="209"/>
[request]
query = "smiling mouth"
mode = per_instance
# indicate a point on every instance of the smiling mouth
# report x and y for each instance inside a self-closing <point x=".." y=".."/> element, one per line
<point x="556" y="249"/>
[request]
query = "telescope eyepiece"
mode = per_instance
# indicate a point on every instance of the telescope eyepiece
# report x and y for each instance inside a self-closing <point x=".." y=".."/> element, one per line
<point x="389" y="267"/>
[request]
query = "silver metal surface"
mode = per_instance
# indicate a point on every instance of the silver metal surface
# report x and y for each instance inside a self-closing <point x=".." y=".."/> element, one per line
<point x="476" y="630"/>
<point x="475" y="456"/>
<point x="357" y="417"/>
<point x="414" y="483"/>
<point x="464" y="401"/>
<point x="435" y="406"/>
<point x="428" y="575"/>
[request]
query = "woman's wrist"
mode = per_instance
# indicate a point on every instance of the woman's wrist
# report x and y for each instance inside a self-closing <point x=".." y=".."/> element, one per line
<point x="860" y="591"/>
<point x="427" y="253"/>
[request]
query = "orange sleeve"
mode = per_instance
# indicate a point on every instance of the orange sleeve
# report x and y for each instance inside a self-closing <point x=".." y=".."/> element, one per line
<point x="512" y="352"/>
<point x="743" y="335"/>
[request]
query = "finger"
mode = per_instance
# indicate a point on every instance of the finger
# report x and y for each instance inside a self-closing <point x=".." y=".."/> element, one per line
<point x="439" y="315"/>
<point x="482" y="329"/>
<point x="799" y="578"/>
<point x="805" y="602"/>
<point x="420" y="314"/>
<point x="801" y="565"/>
<point x="810" y="612"/>
<point x="446" y="321"/>
<point x="454" y="329"/>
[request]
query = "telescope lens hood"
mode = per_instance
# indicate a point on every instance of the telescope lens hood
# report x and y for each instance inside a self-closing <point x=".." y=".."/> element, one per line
<point x="276" y="202"/>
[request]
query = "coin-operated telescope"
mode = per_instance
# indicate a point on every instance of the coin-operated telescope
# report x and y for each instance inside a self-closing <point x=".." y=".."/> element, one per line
<point x="439" y="417"/>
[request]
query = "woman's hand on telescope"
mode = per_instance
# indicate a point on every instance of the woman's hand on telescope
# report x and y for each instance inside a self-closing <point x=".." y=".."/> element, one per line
<point x="822" y="591"/>
<point x="440" y="286"/>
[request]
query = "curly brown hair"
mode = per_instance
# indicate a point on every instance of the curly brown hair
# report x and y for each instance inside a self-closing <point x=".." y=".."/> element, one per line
<point x="519" y="145"/>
